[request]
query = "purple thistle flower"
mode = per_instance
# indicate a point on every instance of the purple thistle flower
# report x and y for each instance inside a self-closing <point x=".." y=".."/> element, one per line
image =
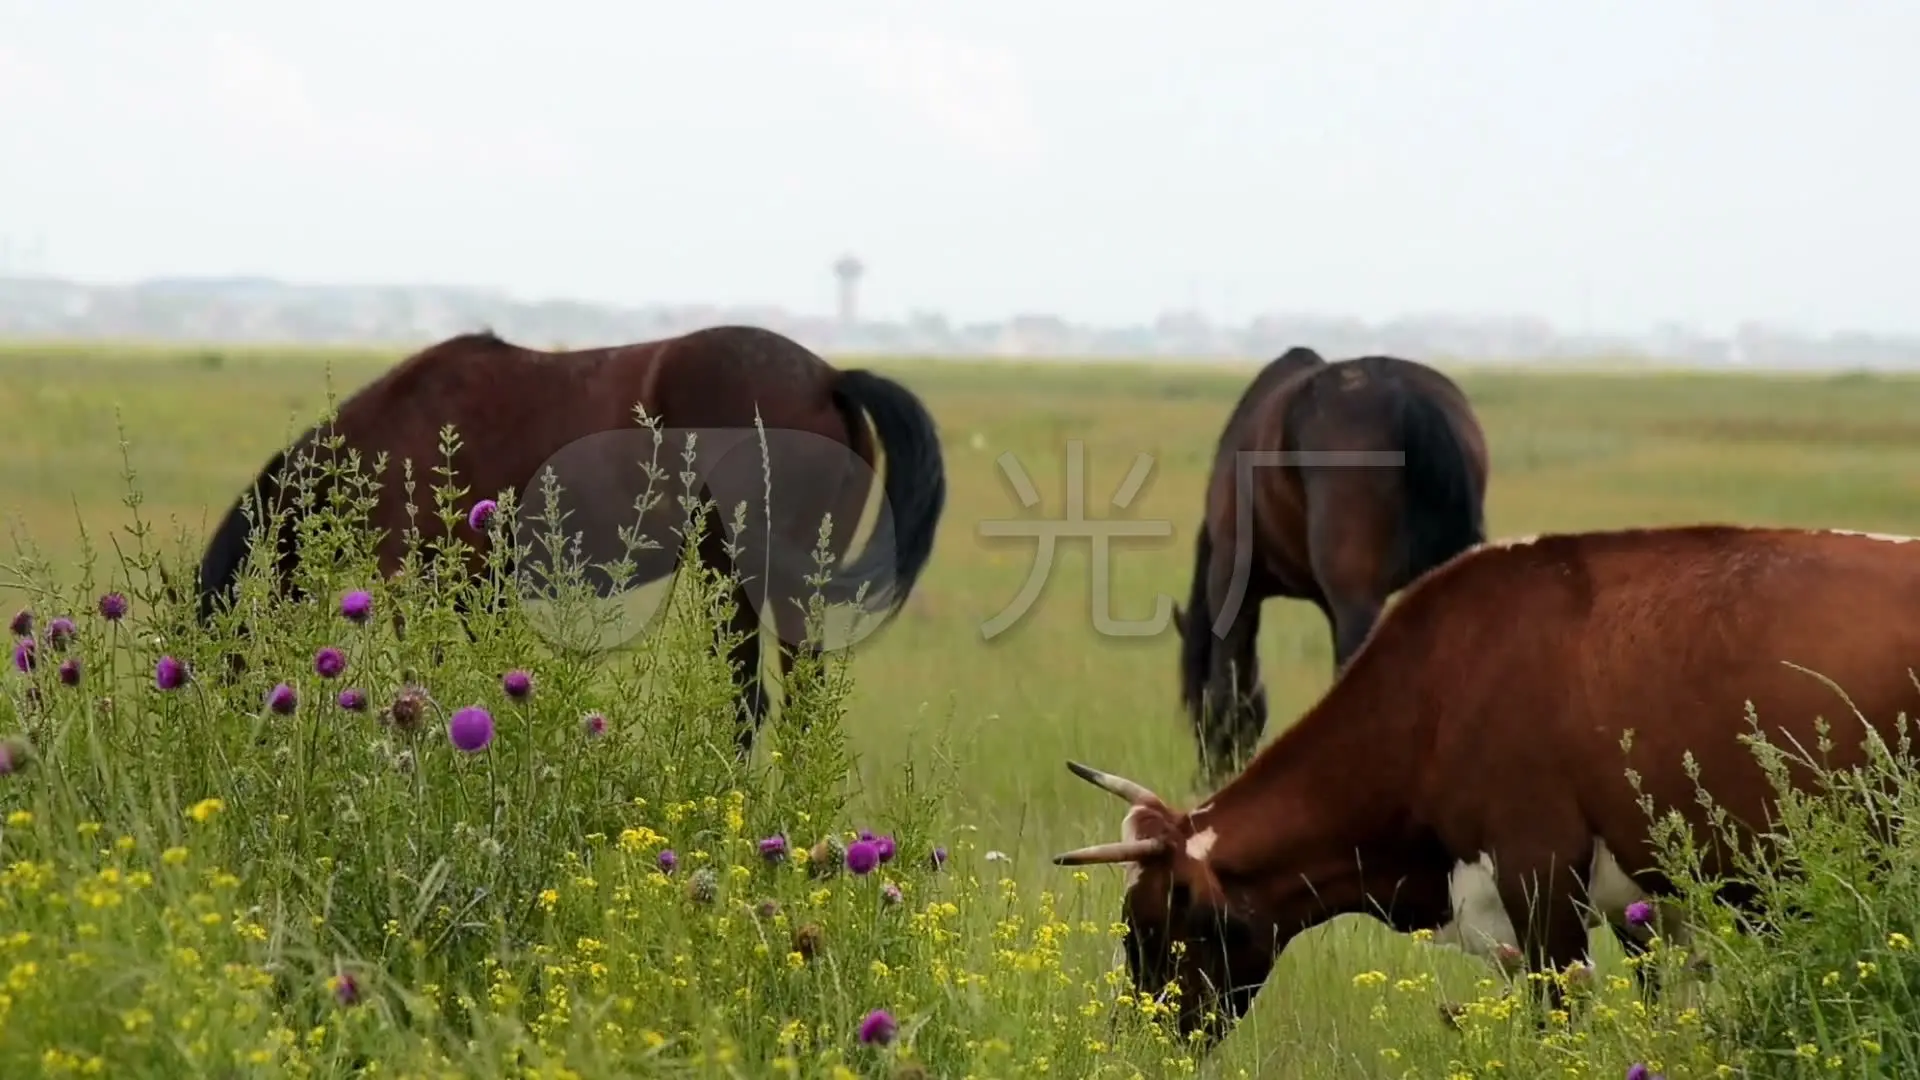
<point x="169" y="674"/>
<point x="25" y="654"/>
<point x="470" y="729"/>
<point x="518" y="684"/>
<point x="1639" y="913"/>
<point x="60" y="632"/>
<point x="356" y="606"/>
<point x="1638" y="1071"/>
<point x="113" y="607"/>
<point x="282" y="699"/>
<point x="345" y="989"/>
<point x="668" y="860"/>
<point x="938" y="858"/>
<point x="878" y="1027"/>
<point x="70" y="671"/>
<point x="352" y="700"/>
<point x="22" y="623"/>
<point x="773" y="848"/>
<point x="891" y="893"/>
<point x="481" y="513"/>
<point x="329" y="662"/>
<point x="595" y="724"/>
<point x="867" y="835"/>
<point x="862" y="856"/>
<point x="884" y="844"/>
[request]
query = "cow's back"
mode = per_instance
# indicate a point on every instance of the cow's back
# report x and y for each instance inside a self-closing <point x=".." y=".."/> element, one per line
<point x="1537" y="662"/>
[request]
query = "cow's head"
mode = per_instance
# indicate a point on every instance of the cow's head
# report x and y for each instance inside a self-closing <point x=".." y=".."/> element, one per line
<point x="1182" y="927"/>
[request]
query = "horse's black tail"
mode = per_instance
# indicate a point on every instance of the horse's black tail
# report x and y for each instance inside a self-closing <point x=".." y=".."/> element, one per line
<point x="1196" y="625"/>
<point x="227" y="547"/>
<point x="1444" y="505"/>
<point x="915" y="486"/>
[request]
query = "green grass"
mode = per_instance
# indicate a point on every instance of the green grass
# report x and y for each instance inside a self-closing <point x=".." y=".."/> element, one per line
<point x="1570" y="451"/>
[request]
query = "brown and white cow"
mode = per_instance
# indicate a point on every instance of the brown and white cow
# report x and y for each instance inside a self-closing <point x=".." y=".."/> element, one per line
<point x="1470" y="757"/>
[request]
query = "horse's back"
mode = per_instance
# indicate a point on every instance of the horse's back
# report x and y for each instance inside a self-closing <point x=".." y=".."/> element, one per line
<point x="1429" y="381"/>
<point x="480" y="379"/>
<point x="1373" y="381"/>
<point x="750" y="352"/>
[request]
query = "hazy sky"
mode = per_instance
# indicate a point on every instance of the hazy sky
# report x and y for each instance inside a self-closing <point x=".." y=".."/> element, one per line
<point x="1600" y="164"/>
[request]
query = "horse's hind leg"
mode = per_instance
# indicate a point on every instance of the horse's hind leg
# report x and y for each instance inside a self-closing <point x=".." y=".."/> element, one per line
<point x="791" y="624"/>
<point x="1352" y="620"/>
<point x="1347" y="556"/>
<point x="745" y="659"/>
<point x="744" y="656"/>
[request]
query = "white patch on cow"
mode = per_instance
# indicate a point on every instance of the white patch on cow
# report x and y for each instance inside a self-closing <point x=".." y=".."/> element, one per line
<point x="1480" y="925"/>
<point x="1508" y="541"/>
<point x="1200" y="844"/>
<point x="1610" y="892"/>
<point x="1609" y="889"/>
<point x="1890" y="538"/>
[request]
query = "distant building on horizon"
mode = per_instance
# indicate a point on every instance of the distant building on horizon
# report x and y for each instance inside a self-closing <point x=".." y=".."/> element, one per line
<point x="848" y="270"/>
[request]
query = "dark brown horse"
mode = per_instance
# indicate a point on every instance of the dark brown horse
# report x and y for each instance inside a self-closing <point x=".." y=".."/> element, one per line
<point x="519" y="412"/>
<point x="1336" y="483"/>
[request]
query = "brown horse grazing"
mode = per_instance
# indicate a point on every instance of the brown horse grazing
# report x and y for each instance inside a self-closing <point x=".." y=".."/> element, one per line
<point x="1469" y="757"/>
<point x="1331" y="531"/>
<point x="518" y="410"/>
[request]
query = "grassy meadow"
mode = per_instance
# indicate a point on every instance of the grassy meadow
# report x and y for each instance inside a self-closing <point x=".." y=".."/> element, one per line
<point x="994" y="720"/>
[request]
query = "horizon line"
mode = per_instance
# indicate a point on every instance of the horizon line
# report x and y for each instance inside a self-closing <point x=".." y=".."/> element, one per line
<point x="1653" y="327"/>
<point x="13" y="346"/>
